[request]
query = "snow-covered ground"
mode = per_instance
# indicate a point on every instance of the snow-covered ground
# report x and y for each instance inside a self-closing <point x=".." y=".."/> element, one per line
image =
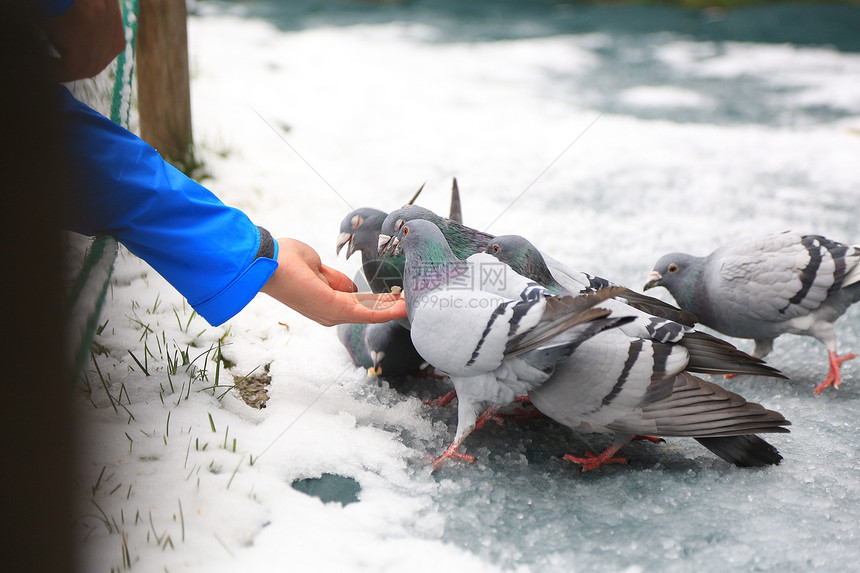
<point x="304" y="111"/>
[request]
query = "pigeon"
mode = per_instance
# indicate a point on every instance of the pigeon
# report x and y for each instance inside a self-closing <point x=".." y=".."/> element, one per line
<point x="496" y="340"/>
<point x="764" y="286"/>
<point x="625" y="384"/>
<point x="359" y="231"/>
<point x="383" y="349"/>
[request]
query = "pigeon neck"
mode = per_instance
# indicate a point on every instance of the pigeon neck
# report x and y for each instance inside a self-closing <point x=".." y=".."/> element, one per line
<point x="430" y="268"/>
<point x="693" y="293"/>
<point x="465" y="241"/>
<point x="382" y="273"/>
<point x="537" y="270"/>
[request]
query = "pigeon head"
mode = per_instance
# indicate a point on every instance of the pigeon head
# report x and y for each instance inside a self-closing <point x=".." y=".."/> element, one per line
<point x="396" y="219"/>
<point x="464" y="241"/>
<point x="677" y="272"/>
<point x="359" y="230"/>
<point x="416" y="236"/>
<point x="524" y="258"/>
<point x="379" y="339"/>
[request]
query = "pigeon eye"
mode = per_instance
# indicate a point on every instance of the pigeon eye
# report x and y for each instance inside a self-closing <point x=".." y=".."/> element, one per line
<point x="356" y="222"/>
<point x="405" y="231"/>
<point x="496" y="249"/>
<point x="673" y="268"/>
<point x="399" y="224"/>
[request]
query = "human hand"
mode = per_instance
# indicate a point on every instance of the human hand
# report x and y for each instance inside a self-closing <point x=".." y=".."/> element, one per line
<point x="88" y="36"/>
<point x="323" y="294"/>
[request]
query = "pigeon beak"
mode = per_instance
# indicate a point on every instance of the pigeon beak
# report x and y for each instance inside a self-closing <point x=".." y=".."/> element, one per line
<point x="376" y="356"/>
<point x="376" y="369"/>
<point x="387" y="244"/>
<point x="654" y="279"/>
<point x="345" y="239"/>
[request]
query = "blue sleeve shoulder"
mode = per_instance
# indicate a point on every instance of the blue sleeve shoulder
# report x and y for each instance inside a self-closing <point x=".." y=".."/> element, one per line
<point x="211" y="253"/>
<point x="51" y="8"/>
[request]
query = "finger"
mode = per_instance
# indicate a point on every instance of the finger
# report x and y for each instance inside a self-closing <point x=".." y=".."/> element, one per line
<point x="369" y="310"/>
<point x="337" y="280"/>
<point x="364" y="296"/>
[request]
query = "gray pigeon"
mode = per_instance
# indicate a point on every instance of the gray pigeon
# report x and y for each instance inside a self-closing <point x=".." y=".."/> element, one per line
<point x="359" y="231"/>
<point x="764" y="286"/>
<point x="625" y="383"/>
<point x="384" y="349"/>
<point x="495" y="337"/>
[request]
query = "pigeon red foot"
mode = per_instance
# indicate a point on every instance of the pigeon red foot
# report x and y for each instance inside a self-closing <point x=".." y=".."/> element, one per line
<point x="452" y="453"/>
<point x="592" y="462"/>
<point x="443" y="400"/>
<point x="833" y="377"/>
<point x="489" y="415"/>
<point x="652" y="439"/>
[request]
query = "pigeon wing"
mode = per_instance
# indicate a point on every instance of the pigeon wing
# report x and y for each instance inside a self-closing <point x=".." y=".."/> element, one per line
<point x="608" y="378"/>
<point x="779" y="277"/>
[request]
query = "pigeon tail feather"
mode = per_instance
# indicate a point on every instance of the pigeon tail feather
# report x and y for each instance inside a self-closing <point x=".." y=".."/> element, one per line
<point x="710" y="355"/>
<point x="743" y="451"/>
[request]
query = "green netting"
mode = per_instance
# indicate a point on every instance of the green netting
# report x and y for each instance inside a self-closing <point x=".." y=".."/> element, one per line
<point x="121" y="103"/>
<point x="89" y="289"/>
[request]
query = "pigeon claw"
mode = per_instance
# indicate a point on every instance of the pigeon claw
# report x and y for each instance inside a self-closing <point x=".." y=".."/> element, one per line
<point x="489" y="415"/>
<point x="452" y="454"/>
<point x="592" y="462"/>
<point x="442" y="401"/>
<point x="833" y="377"/>
<point x="652" y="439"/>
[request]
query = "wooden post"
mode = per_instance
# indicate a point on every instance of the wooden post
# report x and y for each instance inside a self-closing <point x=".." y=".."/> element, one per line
<point x="164" y="95"/>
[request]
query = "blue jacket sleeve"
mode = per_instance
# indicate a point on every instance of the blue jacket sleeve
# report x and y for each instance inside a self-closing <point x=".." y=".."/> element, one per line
<point x="211" y="253"/>
<point x="50" y="8"/>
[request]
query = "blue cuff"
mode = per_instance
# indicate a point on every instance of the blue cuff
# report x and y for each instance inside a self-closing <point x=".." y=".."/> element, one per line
<point x="236" y="296"/>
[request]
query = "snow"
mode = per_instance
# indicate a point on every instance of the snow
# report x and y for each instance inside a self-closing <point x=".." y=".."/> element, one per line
<point x="303" y="111"/>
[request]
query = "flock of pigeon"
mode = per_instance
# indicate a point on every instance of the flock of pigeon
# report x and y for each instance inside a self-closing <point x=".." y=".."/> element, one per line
<point x="509" y="324"/>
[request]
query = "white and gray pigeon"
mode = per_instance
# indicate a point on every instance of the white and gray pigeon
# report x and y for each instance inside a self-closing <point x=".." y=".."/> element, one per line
<point x="627" y="384"/>
<point x="764" y="286"/>
<point x="496" y="337"/>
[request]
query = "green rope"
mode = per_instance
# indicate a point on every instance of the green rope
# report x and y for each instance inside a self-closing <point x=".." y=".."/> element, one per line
<point x="94" y="274"/>
<point x="97" y="267"/>
<point x="121" y="104"/>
